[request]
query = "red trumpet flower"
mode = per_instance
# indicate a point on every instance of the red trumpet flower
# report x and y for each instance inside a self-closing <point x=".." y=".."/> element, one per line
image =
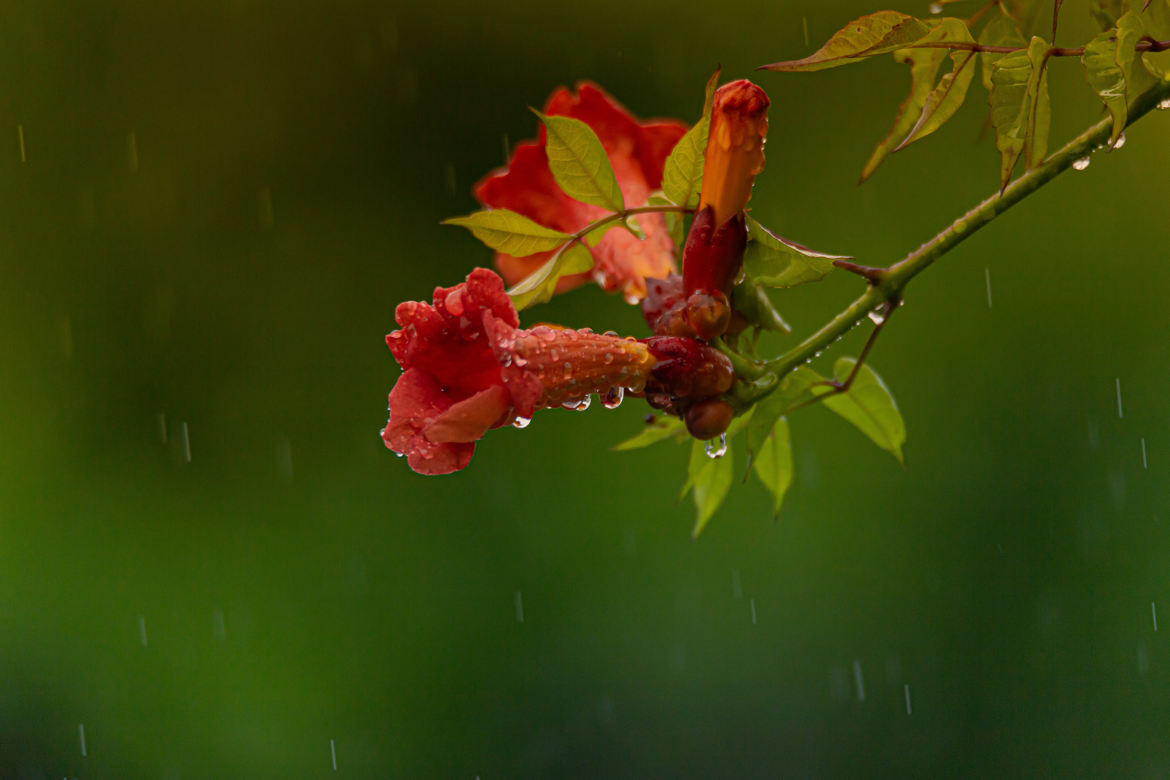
<point x="638" y="153"/>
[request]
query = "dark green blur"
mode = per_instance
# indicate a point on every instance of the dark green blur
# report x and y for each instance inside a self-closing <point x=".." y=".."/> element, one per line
<point x="219" y="207"/>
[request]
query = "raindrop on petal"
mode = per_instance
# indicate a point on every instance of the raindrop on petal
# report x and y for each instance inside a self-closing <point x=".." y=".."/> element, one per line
<point x="521" y="422"/>
<point x="614" y="395"/>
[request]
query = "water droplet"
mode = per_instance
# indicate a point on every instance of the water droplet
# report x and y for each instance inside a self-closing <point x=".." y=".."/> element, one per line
<point x="1120" y="142"/>
<point x="614" y="395"/>
<point x="716" y="448"/>
<point x="608" y="358"/>
<point x="632" y="299"/>
<point x="877" y="317"/>
<point x="1081" y="164"/>
<point x="1163" y="105"/>
<point x="936" y="8"/>
<point x="521" y="422"/>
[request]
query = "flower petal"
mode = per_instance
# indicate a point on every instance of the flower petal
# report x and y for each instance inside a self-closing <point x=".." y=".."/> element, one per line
<point x="469" y="419"/>
<point x="415" y="401"/>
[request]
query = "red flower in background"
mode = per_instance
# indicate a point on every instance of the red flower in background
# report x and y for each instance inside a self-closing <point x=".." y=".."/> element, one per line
<point x="468" y="368"/>
<point x="638" y="153"/>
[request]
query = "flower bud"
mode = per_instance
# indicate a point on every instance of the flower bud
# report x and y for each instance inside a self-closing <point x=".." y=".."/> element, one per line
<point x="708" y="313"/>
<point x="712" y="255"/>
<point x="710" y="418"/>
<point x="687" y="368"/>
<point x="735" y="148"/>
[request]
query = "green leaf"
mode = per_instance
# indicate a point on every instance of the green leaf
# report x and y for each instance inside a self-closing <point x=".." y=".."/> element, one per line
<point x="674" y="219"/>
<point x="579" y="164"/>
<point x="946" y="98"/>
<point x="1156" y="22"/>
<point x="1020" y="111"/>
<point x="1001" y="30"/>
<point x="1106" y="78"/>
<point x="868" y="405"/>
<point x="777" y="262"/>
<point x="712" y="478"/>
<point x="542" y="283"/>
<point x="793" y="389"/>
<point x="877" y="33"/>
<point x="750" y="300"/>
<point x="923" y="67"/>
<point x="662" y="428"/>
<point x="773" y="464"/>
<point x="1031" y="16"/>
<point x="682" y="178"/>
<point x="511" y="233"/>
<point x="1040" y="108"/>
<point x="1106" y="12"/>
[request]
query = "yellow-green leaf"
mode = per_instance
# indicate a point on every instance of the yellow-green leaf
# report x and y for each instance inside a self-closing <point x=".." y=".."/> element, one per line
<point x="682" y="178"/>
<point x="579" y="164"/>
<point x="1105" y="12"/>
<point x="660" y="429"/>
<point x="1106" y="78"/>
<point x="1020" y="111"/>
<point x="877" y="33"/>
<point x="542" y="283"/>
<point x="869" y="405"/>
<point x="1039" y="111"/>
<point x="511" y="233"/>
<point x="712" y="478"/>
<point x="923" y="67"/>
<point x="773" y="463"/>
<point x="946" y="98"/>
<point x="777" y="262"/>
<point x="1000" y="30"/>
<point x="1156" y="20"/>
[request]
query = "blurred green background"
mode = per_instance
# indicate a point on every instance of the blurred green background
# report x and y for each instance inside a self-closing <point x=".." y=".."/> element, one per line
<point x="217" y="206"/>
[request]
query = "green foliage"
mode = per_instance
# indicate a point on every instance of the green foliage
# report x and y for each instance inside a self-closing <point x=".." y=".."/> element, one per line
<point x="682" y="178"/>
<point x="511" y="233"/>
<point x="1105" y="75"/>
<point x="1020" y="109"/>
<point x="1000" y="30"/>
<point x="879" y="33"/>
<point x="750" y="300"/>
<point x="711" y="479"/>
<point x="579" y="164"/>
<point x="924" y="65"/>
<point x="539" y="286"/>
<point x="777" y="262"/>
<point x="1105" y="12"/>
<point x="661" y="428"/>
<point x="869" y="405"/>
<point x="773" y="464"/>
<point x="946" y="98"/>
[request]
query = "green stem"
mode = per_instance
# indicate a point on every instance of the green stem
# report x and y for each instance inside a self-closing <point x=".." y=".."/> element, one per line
<point x="625" y="214"/>
<point x="890" y="282"/>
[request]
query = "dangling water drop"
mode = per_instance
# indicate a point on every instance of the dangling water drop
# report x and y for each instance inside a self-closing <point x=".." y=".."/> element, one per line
<point x="613" y="397"/>
<point x="936" y="8"/>
<point x="1081" y="164"/>
<point x="877" y="317"/>
<point x="583" y="404"/>
<point x="716" y="448"/>
<point x="521" y="422"/>
<point x="1163" y="104"/>
<point x="1120" y="142"/>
